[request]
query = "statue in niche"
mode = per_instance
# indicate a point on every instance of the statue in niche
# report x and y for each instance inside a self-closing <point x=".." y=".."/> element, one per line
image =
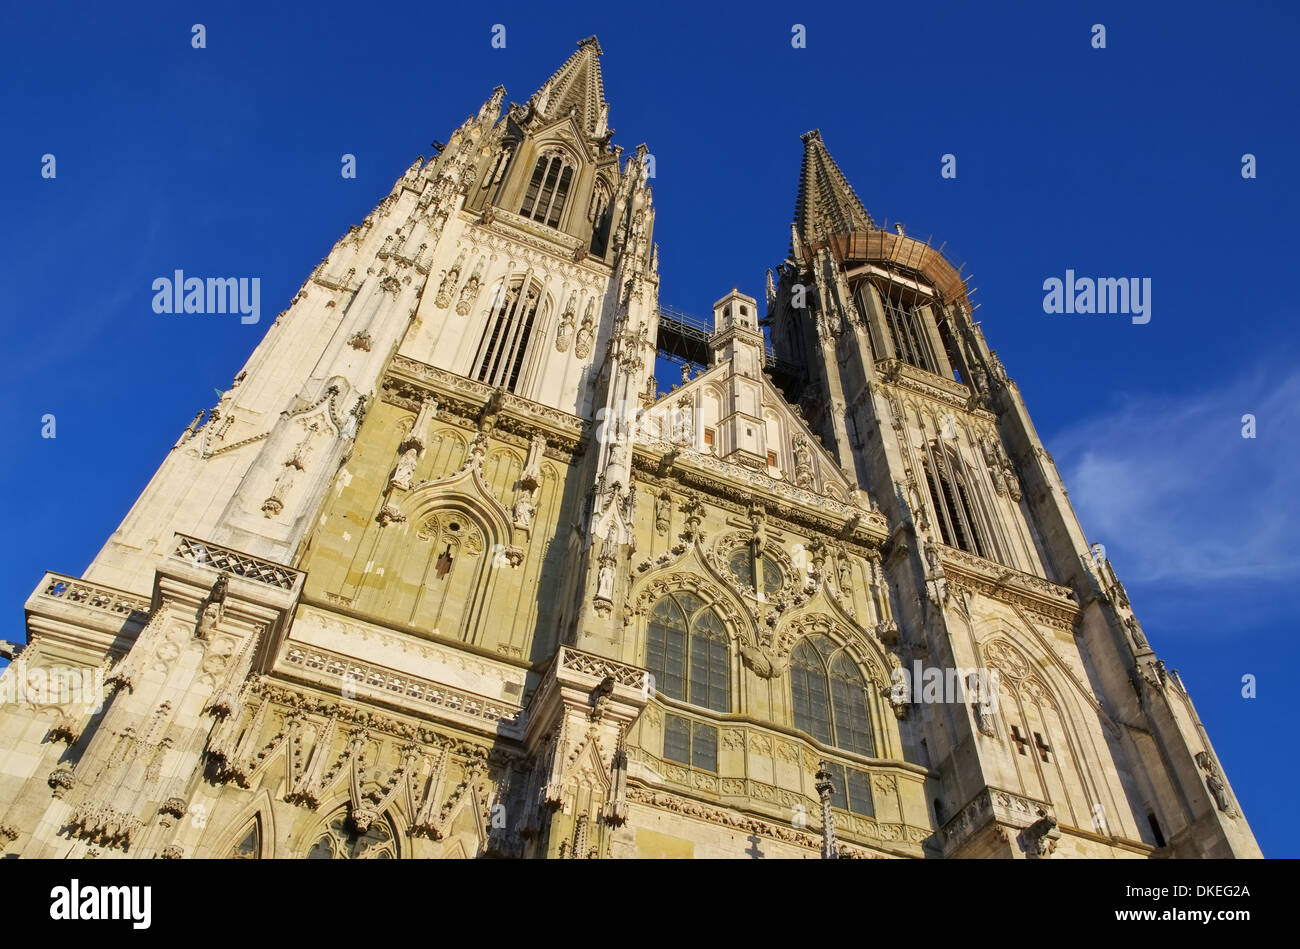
<point x="803" y="473"/>
<point x="1135" y="630"/>
<point x="405" y="468"/>
<point x="605" y="578"/>
<point x="758" y="526"/>
<point x="449" y="284"/>
<point x="663" y="512"/>
<point x="585" y="335"/>
<point x="1218" y="790"/>
<point x="605" y="583"/>
<point x="936" y="580"/>
<point x="523" y="512"/>
<point x="563" y="335"/>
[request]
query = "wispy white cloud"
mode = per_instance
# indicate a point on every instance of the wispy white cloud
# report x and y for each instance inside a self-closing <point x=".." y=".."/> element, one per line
<point x="1175" y="492"/>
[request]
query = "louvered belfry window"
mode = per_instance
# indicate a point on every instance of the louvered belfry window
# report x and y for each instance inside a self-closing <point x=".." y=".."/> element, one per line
<point x="548" y="190"/>
<point x="500" y="357"/>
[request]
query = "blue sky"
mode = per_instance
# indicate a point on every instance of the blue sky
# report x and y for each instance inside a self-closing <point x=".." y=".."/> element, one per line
<point x="1117" y="162"/>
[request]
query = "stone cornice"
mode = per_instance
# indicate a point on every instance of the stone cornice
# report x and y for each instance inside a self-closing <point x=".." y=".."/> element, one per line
<point x="898" y="836"/>
<point x="407" y="379"/>
<point x="1046" y="601"/>
<point x="947" y="392"/>
<point x="286" y="695"/>
<point x="551" y="249"/>
<point x="739" y="486"/>
<point x="323" y="668"/>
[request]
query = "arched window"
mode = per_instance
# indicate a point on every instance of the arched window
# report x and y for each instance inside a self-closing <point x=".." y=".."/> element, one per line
<point x="501" y="352"/>
<point x="905" y="322"/>
<point x="952" y="505"/>
<point x="747" y="570"/>
<point x="249" y="846"/>
<point x="549" y="189"/>
<point x="830" y="696"/>
<point x="687" y="652"/>
<point x="340" y="840"/>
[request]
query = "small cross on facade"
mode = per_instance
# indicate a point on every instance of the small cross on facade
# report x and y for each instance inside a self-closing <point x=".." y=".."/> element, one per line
<point x="1019" y="739"/>
<point x="1041" y="745"/>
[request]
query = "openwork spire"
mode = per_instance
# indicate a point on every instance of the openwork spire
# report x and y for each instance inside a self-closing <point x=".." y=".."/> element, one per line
<point x="826" y="204"/>
<point x="577" y="84"/>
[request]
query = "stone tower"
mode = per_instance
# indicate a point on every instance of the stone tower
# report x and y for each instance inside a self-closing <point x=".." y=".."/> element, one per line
<point x="443" y="575"/>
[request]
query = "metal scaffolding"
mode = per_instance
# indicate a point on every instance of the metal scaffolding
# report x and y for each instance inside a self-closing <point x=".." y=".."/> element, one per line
<point x="685" y="338"/>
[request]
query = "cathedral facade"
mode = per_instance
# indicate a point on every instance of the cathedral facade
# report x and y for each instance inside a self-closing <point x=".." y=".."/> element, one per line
<point x="445" y="574"/>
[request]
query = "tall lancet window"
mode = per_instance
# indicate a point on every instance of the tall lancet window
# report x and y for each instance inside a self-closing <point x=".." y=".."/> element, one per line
<point x="602" y="212"/>
<point x="500" y="356"/>
<point x="905" y="324"/>
<point x="549" y="188"/>
<point x="830" y="696"/>
<point x="953" y="504"/>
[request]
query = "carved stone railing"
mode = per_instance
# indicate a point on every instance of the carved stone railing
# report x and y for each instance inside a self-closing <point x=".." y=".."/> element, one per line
<point x="598" y="667"/>
<point x="205" y="554"/>
<point x="353" y="676"/>
<point x="988" y="806"/>
<point x="56" y="586"/>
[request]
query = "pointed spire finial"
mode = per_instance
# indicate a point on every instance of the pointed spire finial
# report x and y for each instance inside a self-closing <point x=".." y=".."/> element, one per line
<point x="826" y="203"/>
<point x="577" y="87"/>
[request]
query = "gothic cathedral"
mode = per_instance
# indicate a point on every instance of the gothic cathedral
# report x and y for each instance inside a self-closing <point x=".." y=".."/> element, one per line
<point x="444" y="574"/>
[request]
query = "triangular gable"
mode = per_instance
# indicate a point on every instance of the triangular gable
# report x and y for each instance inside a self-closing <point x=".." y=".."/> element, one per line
<point x="827" y="473"/>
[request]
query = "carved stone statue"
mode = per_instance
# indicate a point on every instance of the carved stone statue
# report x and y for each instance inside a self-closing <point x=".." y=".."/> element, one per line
<point x="1135" y="630"/>
<point x="936" y="582"/>
<point x="663" y="512"/>
<point x="758" y="526"/>
<point x="605" y="582"/>
<point x="1039" y="836"/>
<point x="469" y="292"/>
<point x="563" y="336"/>
<point x="803" y="473"/>
<point x="585" y="336"/>
<point x="1218" y="790"/>
<point x="448" y="284"/>
<point x="213" y="607"/>
<point x="523" y="512"/>
<point x="405" y="468"/>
